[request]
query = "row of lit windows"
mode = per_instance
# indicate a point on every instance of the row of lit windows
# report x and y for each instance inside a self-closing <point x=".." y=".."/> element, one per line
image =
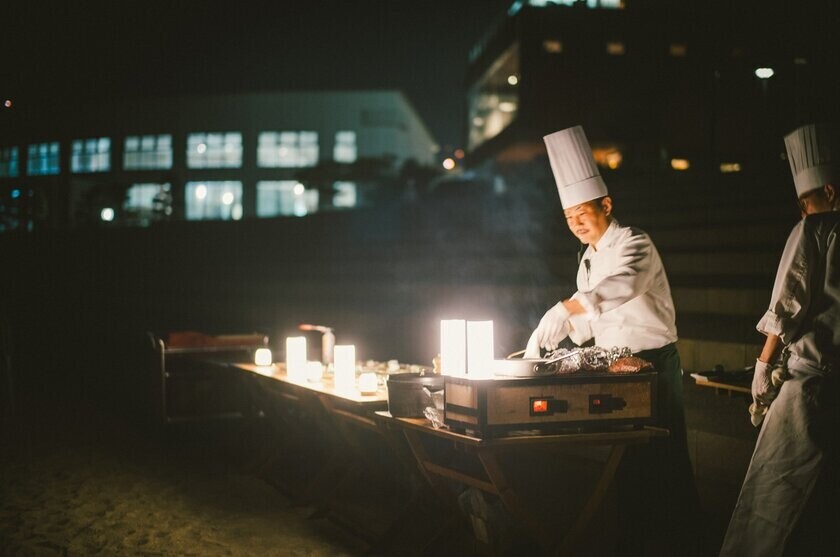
<point x="286" y="149"/>
<point x="614" y="48"/>
<point x="222" y="200"/>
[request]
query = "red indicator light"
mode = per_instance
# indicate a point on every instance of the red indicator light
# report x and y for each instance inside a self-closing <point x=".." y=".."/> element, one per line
<point x="596" y="402"/>
<point x="540" y="406"/>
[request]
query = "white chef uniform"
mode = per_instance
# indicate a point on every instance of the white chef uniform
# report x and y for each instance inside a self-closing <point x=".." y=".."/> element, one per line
<point x="798" y="432"/>
<point x="623" y="287"/>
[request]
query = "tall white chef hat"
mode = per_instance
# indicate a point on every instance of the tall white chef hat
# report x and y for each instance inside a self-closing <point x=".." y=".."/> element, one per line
<point x="809" y="154"/>
<point x="575" y="172"/>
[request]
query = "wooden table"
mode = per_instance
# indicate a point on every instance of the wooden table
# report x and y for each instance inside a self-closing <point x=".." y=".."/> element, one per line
<point x="552" y="538"/>
<point x="703" y="381"/>
<point x="342" y="415"/>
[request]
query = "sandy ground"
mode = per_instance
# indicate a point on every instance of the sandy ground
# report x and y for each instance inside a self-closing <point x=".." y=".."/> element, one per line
<point x="74" y="481"/>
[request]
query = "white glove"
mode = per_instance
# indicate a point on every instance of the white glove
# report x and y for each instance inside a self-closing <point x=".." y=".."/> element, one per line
<point x="762" y="389"/>
<point x="553" y="327"/>
<point x="532" y="349"/>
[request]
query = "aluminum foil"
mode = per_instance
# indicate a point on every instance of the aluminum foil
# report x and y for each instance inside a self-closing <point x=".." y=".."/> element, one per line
<point x="593" y="358"/>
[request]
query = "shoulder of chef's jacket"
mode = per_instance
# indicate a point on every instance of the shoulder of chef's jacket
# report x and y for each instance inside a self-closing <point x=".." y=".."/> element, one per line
<point x="631" y="233"/>
<point x="829" y="219"/>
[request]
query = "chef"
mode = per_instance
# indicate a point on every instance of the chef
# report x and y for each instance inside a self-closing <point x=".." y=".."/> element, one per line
<point x="623" y="299"/>
<point x="788" y="502"/>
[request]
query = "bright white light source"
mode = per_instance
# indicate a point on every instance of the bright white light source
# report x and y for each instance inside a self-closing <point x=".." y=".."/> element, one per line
<point x="507" y="106"/>
<point x="680" y="164"/>
<point x="513" y="80"/>
<point x="201" y="148"/>
<point x="107" y="214"/>
<point x="262" y="357"/>
<point x="367" y="383"/>
<point x="480" y="349"/>
<point x="344" y="358"/>
<point x="764" y="73"/>
<point x="453" y="347"/>
<point x="299" y="189"/>
<point x="227" y="198"/>
<point x="314" y="372"/>
<point x="296" y="358"/>
<point x="448" y="163"/>
<point x="8" y="103"/>
<point x="200" y="191"/>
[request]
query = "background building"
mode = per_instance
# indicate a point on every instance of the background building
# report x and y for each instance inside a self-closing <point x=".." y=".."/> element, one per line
<point x="195" y="158"/>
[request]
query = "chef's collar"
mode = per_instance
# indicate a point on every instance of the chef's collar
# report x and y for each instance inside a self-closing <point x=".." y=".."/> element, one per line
<point x="608" y="237"/>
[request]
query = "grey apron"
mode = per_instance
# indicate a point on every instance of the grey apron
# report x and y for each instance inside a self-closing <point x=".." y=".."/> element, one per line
<point x="785" y="465"/>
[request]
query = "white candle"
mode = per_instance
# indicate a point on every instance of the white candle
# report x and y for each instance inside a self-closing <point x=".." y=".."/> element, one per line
<point x="344" y="362"/>
<point x="453" y="347"/>
<point x="296" y="358"/>
<point x="367" y="383"/>
<point x="480" y="349"/>
<point x="314" y="371"/>
<point x="262" y="357"/>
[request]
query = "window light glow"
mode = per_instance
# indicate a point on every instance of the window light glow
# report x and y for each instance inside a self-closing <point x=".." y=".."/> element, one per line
<point x="727" y="167"/>
<point x="201" y="148"/>
<point x="680" y="164"/>
<point x="299" y="189"/>
<point x="227" y="198"/>
<point x="107" y="214"/>
<point x="552" y="46"/>
<point x="200" y="191"/>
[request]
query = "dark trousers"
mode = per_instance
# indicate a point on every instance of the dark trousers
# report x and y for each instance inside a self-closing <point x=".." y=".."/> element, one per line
<point x="655" y="482"/>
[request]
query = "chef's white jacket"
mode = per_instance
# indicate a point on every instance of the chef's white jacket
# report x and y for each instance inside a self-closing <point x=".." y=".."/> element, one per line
<point x="805" y="304"/>
<point x="623" y="288"/>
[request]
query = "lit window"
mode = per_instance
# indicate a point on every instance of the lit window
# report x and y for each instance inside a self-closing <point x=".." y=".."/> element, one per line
<point x="287" y="149"/>
<point x="42" y="159"/>
<point x="680" y="164"/>
<point x="91" y="155"/>
<point x="345" y="194"/>
<point x="214" y="150"/>
<point x="145" y="203"/>
<point x="615" y="48"/>
<point x="607" y="157"/>
<point x="285" y="198"/>
<point x="553" y="46"/>
<point x="345" y="147"/>
<point x="727" y="167"/>
<point x="148" y="152"/>
<point x="220" y="200"/>
<point x="493" y="101"/>
<point x="678" y="50"/>
<point x="8" y="162"/>
<point x="800" y="61"/>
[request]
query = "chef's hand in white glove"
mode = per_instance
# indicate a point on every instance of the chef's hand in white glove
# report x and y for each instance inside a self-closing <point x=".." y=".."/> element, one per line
<point x="762" y="389"/>
<point x="553" y="327"/>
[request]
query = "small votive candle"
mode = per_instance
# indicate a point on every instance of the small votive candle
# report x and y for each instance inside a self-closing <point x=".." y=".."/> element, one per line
<point x="344" y="362"/>
<point x="314" y="372"/>
<point x="262" y="357"/>
<point x="368" y="384"/>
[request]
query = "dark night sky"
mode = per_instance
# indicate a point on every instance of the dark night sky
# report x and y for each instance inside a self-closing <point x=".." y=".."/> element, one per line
<point x="61" y="51"/>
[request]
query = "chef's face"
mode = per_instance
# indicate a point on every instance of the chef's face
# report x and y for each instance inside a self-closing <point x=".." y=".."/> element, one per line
<point x="588" y="221"/>
<point x="820" y="200"/>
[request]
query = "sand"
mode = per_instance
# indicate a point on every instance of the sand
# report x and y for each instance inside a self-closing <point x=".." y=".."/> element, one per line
<point x="76" y="481"/>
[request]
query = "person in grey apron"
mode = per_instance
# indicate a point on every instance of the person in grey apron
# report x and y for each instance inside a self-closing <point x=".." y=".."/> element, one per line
<point x="788" y="502"/>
